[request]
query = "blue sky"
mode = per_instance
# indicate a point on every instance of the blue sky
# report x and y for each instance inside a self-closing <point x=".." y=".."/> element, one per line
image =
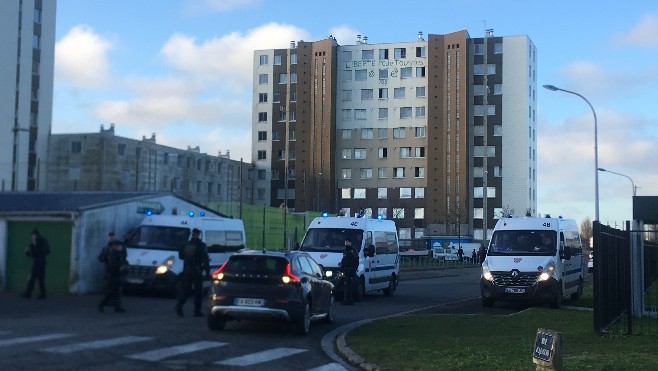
<point x="182" y="69"/>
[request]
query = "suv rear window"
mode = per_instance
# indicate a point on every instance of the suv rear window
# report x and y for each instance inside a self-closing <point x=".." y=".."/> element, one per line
<point x="248" y="264"/>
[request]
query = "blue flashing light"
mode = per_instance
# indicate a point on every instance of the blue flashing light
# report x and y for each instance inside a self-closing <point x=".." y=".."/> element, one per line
<point x="379" y="217"/>
<point x="191" y="214"/>
<point x="325" y="214"/>
<point x="202" y="213"/>
<point x="149" y="212"/>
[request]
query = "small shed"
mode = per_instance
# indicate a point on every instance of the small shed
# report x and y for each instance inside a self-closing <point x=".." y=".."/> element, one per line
<point x="76" y="225"/>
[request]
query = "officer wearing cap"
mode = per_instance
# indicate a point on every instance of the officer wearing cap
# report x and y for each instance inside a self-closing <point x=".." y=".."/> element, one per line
<point x="195" y="262"/>
<point x="348" y="266"/>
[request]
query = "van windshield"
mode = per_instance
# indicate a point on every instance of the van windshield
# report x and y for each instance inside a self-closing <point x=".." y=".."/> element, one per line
<point x="523" y="242"/>
<point x="158" y="237"/>
<point x="331" y="239"/>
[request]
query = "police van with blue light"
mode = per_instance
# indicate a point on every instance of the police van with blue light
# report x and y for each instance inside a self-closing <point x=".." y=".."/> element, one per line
<point x="153" y="246"/>
<point x="533" y="259"/>
<point x="375" y="241"/>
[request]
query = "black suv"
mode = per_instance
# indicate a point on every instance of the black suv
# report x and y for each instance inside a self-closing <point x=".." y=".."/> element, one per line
<point x="269" y="285"/>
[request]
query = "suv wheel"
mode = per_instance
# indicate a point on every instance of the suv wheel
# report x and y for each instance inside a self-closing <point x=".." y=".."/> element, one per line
<point x="303" y="324"/>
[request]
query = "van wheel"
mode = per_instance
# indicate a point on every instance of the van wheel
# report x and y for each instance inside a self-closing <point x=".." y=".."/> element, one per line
<point x="215" y="322"/>
<point x="557" y="302"/>
<point x="579" y="292"/>
<point x="392" y="284"/>
<point x="487" y="303"/>
<point x="360" y="289"/>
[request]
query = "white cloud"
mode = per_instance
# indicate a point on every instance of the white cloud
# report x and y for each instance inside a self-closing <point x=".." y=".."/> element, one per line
<point x="229" y="58"/>
<point x="643" y="34"/>
<point x="591" y="80"/>
<point x="81" y="58"/>
<point x="345" y="35"/>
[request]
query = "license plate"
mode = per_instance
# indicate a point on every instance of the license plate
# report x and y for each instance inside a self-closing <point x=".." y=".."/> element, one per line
<point x="250" y="302"/>
<point x="135" y="280"/>
<point x="514" y="290"/>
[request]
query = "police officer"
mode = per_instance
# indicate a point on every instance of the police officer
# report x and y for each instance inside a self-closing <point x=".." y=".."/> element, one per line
<point x="37" y="250"/>
<point x="195" y="261"/>
<point x="114" y="256"/>
<point x="348" y="266"/>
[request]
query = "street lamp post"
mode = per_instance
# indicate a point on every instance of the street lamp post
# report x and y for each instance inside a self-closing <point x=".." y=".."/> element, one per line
<point x="596" y="148"/>
<point x="625" y="176"/>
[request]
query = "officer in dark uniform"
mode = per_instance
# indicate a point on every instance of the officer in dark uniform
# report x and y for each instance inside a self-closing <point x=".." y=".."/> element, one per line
<point x="348" y="266"/>
<point x="195" y="262"/>
<point x="37" y="250"/>
<point x="114" y="255"/>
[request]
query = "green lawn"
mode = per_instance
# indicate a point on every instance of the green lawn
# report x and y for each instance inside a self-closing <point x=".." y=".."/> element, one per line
<point x="496" y="342"/>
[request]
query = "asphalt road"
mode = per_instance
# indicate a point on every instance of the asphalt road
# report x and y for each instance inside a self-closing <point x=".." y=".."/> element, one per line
<point x="67" y="332"/>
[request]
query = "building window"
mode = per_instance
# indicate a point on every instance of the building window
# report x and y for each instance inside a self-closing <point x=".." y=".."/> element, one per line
<point x="264" y="60"/>
<point x="405" y="152"/>
<point x="398" y="133"/>
<point x="260" y="174"/>
<point x="383" y="114"/>
<point x="262" y="79"/>
<point x="420" y="152"/>
<point x="262" y="136"/>
<point x="262" y="155"/>
<point x="383" y="93"/>
<point x="382" y="173"/>
<point x="419" y="192"/>
<point x="262" y="97"/>
<point x="293" y="77"/>
<point x="405" y="72"/>
<point x="405" y="192"/>
<point x="366" y="133"/>
<point x="398" y="172"/>
<point x="359" y="114"/>
<point x="398" y="213"/>
<point x="420" y="91"/>
<point x="293" y="96"/>
<point x="347" y="173"/>
<point x="347" y="95"/>
<point x="400" y="53"/>
<point x="382" y="193"/>
<point x="383" y="73"/>
<point x="76" y="147"/>
<point x="419" y="172"/>
<point x="420" y="71"/>
<point x="277" y="60"/>
<point x="291" y="135"/>
<point x="347" y="114"/>
<point x="260" y="194"/>
<point x="293" y="115"/>
<point x="282" y="116"/>
<point x="283" y="78"/>
<point x="121" y="149"/>
<point x="293" y="58"/>
<point x="36" y="41"/>
<point x="359" y="153"/>
<point x="276" y="98"/>
<point x="498" y="89"/>
<point x="347" y="153"/>
<point x="383" y="152"/>
<point x="346" y="75"/>
<point x="368" y="54"/>
<point x="366" y="94"/>
<point x="383" y="53"/>
<point x="382" y="133"/>
<point x="359" y="193"/>
<point x="262" y="116"/>
<point x="478" y="49"/>
<point x="498" y="48"/>
<point x="347" y="133"/>
<point x="360" y="75"/>
<point x="366" y="173"/>
<point x="381" y="211"/>
<point x="276" y="136"/>
<point x="420" y="51"/>
<point x="346" y="193"/>
<point x="419" y="131"/>
<point x="398" y="92"/>
<point x="419" y="213"/>
<point x="420" y="111"/>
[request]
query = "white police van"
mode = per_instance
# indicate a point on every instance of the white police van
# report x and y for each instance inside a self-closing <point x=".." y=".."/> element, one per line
<point x="153" y="247"/>
<point x="533" y="259"/>
<point x="375" y="240"/>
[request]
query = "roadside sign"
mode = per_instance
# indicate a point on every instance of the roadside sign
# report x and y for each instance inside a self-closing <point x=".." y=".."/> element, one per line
<point x="547" y="350"/>
<point x="154" y="207"/>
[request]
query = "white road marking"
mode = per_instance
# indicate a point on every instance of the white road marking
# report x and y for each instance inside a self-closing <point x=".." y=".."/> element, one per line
<point x="97" y="344"/>
<point x="329" y="367"/>
<point x="160" y="354"/>
<point x="32" y="339"/>
<point x="260" y="357"/>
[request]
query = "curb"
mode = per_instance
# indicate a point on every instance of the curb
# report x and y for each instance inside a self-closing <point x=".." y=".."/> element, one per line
<point x="350" y="356"/>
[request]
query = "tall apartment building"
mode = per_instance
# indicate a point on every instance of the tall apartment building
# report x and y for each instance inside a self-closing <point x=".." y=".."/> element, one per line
<point x="27" y="36"/>
<point x="105" y="162"/>
<point x="418" y="132"/>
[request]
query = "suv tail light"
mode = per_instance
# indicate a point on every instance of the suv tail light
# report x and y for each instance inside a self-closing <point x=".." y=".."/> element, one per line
<point x="218" y="274"/>
<point x="289" y="277"/>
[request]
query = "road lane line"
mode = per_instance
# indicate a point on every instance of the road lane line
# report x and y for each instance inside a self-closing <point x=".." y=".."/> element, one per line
<point x="160" y="354"/>
<point x="32" y="339"/>
<point x="97" y="344"/>
<point x="260" y="357"/>
<point x="329" y="367"/>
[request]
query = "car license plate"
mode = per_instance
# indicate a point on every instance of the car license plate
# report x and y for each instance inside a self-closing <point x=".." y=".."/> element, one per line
<point x="135" y="280"/>
<point x="514" y="290"/>
<point x="250" y="302"/>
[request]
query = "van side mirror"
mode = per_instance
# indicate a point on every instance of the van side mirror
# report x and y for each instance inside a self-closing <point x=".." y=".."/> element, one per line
<point x="565" y="252"/>
<point x="369" y="251"/>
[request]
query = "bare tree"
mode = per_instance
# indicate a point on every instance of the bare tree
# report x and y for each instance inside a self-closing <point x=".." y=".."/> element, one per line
<point x="505" y="212"/>
<point x="586" y="231"/>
